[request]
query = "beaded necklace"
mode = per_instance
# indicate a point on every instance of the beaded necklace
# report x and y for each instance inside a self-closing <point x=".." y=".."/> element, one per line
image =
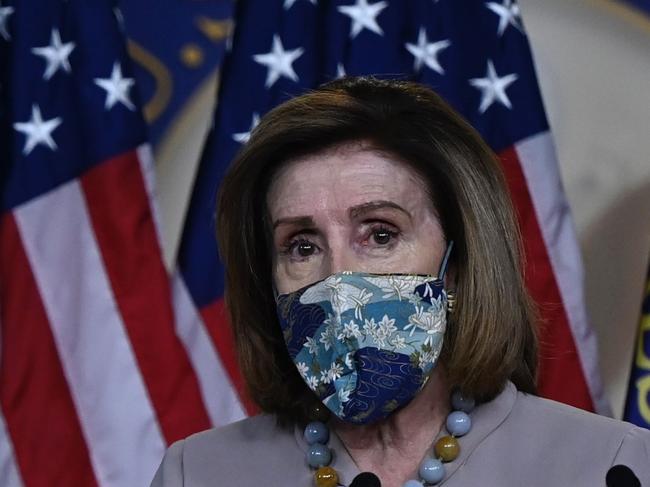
<point x="431" y="470"/>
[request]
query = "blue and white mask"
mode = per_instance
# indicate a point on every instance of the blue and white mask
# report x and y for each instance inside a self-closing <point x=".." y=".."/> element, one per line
<point x="365" y="343"/>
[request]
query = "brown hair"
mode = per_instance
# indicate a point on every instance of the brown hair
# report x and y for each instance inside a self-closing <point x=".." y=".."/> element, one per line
<point x="491" y="335"/>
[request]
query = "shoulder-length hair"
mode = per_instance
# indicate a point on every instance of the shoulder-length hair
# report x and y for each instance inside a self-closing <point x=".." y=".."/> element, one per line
<point x="491" y="336"/>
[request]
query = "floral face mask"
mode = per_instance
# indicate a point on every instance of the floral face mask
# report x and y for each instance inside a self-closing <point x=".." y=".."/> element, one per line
<point x="365" y="343"/>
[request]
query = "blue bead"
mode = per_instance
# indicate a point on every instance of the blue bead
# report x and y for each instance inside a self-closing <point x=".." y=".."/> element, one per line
<point x="413" y="483"/>
<point x="459" y="402"/>
<point x="432" y="470"/>
<point x="318" y="455"/>
<point x="458" y="423"/>
<point x="316" y="432"/>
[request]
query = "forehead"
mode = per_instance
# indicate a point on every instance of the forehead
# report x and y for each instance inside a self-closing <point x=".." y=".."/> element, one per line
<point x="343" y="176"/>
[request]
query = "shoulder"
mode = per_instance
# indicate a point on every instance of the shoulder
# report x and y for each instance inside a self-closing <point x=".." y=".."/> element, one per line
<point x="248" y="433"/>
<point x="549" y="416"/>
<point x="573" y="436"/>
<point x="532" y="441"/>
<point x="236" y="454"/>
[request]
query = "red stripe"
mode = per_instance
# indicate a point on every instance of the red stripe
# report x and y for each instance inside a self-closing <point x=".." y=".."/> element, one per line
<point x="41" y="418"/>
<point x="216" y="321"/>
<point x="122" y="221"/>
<point x="561" y="374"/>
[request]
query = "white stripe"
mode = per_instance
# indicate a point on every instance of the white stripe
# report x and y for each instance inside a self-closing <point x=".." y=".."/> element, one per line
<point x="9" y="475"/>
<point x="541" y="170"/>
<point x="219" y="396"/>
<point x="116" y="415"/>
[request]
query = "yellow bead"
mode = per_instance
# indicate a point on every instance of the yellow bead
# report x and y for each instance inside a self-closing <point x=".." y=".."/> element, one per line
<point x="447" y="448"/>
<point x="326" y="477"/>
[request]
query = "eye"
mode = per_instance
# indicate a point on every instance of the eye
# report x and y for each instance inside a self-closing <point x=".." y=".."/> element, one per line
<point x="382" y="236"/>
<point x="304" y="248"/>
<point x="300" y="248"/>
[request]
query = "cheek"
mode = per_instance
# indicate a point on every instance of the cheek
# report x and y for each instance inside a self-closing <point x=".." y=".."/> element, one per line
<point x="288" y="277"/>
<point x="428" y="248"/>
<point x="279" y="281"/>
<point x="418" y="259"/>
<point x="283" y="279"/>
<point x="284" y="283"/>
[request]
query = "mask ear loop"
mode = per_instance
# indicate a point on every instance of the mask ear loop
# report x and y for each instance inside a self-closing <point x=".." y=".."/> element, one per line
<point x="451" y="295"/>
<point x="445" y="261"/>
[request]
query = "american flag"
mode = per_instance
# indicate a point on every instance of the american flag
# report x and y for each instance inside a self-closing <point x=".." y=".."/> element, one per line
<point x="95" y="378"/>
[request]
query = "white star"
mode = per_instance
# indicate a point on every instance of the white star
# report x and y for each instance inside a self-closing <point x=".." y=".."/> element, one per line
<point x="56" y="54"/>
<point x="340" y="70"/>
<point x="508" y="13"/>
<point x="289" y="3"/>
<point x="117" y="88"/>
<point x="5" y="12"/>
<point x="279" y="62"/>
<point x="243" y="137"/>
<point x="364" y="16"/>
<point x="38" y="131"/>
<point x="427" y="52"/>
<point x="493" y="88"/>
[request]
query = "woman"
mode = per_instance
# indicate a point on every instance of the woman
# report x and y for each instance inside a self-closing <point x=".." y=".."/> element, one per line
<point x="373" y="277"/>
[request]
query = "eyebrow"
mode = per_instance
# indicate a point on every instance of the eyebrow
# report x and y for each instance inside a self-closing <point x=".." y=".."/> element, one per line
<point x="359" y="210"/>
<point x="354" y="212"/>
<point x="303" y="221"/>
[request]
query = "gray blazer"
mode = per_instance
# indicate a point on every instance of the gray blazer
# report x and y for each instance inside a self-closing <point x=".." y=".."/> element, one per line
<point x="516" y="440"/>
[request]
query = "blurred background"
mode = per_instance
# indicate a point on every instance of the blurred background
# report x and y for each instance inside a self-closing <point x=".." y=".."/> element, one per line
<point x="593" y="62"/>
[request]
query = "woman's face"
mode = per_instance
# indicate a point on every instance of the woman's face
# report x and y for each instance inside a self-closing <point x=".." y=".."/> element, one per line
<point x="350" y="208"/>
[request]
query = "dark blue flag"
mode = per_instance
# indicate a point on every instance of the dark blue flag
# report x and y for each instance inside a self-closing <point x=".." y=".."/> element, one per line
<point x="176" y="47"/>
<point x="642" y="5"/>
